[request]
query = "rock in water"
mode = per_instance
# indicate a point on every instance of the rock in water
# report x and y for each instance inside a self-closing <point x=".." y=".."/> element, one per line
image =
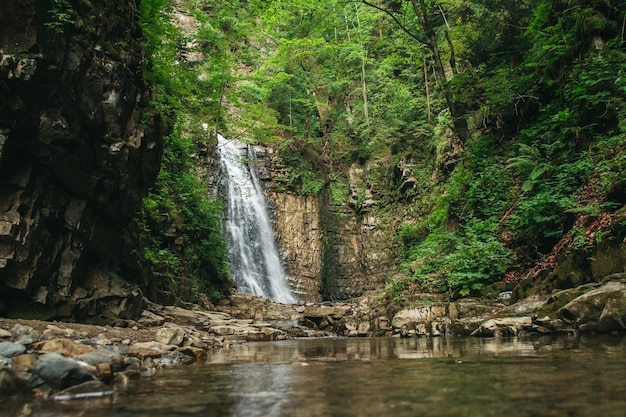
<point x="10" y="383"/>
<point x="59" y="372"/>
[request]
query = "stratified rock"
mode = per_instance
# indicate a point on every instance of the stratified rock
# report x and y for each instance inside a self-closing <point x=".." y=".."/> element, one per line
<point x="602" y="309"/>
<point x="319" y="311"/>
<point x="75" y="161"/>
<point x="59" y="372"/>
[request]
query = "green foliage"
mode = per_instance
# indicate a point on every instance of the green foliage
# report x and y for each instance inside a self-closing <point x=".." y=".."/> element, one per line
<point x="179" y="206"/>
<point x="60" y="15"/>
<point x="339" y="190"/>
<point x="334" y="84"/>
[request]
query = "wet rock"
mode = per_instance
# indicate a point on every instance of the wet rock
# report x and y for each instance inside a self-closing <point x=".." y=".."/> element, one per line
<point x="11" y="349"/>
<point x="507" y="326"/>
<point x="602" y="309"/>
<point x="65" y="347"/>
<point x="131" y="363"/>
<point x="105" y="372"/>
<point x="173" y="359"/>
<point x="10" y="382"/>
<point x="104" y="355"/>
<point x="199" y="355"/>
<point x="59" y="372"/>
<point x="89" y="389"/>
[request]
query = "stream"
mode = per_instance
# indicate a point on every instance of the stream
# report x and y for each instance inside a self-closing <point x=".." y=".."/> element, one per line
<point x="565" y="376"/>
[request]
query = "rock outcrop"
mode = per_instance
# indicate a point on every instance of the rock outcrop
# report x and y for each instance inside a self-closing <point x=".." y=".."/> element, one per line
<point x="331" y="250"/>
<point x="79" y="148"/>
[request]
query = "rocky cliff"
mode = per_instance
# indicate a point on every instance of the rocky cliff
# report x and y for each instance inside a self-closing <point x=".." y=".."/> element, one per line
<point x="331" y="251"/>
<point x="79" y="148"/>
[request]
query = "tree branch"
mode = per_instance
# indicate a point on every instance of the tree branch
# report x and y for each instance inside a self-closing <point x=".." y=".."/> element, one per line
<point x="398" y="22"/>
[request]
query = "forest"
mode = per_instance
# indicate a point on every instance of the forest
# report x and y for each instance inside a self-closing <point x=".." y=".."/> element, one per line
<point x="495" y="129"/>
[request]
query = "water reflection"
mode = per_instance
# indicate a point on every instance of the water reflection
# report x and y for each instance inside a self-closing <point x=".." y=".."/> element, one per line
<point x="384" y="377"/>
<point x="371" y="349"/>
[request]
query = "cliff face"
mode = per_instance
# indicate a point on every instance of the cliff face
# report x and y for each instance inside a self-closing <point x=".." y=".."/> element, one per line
<point x="331" y="251"/>
<point x="78" y="150"/>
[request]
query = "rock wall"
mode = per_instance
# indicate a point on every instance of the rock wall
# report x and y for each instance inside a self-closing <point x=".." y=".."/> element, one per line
<point x="330" y="252"/>
<point x="78" y="150"/>
<point x="361" y="248"/>
<point x="300" y="240"/>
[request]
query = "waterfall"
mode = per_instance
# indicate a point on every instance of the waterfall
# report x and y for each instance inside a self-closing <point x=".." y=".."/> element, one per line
<point x="255" y="264"/>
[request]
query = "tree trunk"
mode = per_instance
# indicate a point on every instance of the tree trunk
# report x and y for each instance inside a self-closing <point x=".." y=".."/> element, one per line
<point x="459" y="122"/>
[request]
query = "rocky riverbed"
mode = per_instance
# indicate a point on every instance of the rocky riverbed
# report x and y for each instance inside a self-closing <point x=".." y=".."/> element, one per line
<point x="61" y="361"/>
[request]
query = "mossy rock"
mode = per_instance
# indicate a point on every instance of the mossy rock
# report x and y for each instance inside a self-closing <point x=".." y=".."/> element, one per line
<point x="601" y="309"/>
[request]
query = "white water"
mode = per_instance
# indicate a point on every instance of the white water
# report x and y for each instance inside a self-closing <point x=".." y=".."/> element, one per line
<point x="255" y="264"/>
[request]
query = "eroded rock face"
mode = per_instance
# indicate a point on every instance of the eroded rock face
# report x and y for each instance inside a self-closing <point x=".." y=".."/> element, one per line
<point x="300" y="239"/>
<point x="78" y="150"/>
<point x="330" y="252"/>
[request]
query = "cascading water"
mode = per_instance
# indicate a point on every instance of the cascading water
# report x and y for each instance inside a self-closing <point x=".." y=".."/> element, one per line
<point x="255" y="264"/>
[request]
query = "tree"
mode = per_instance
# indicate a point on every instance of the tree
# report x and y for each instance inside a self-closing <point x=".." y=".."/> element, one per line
<point x="418" y="20"/>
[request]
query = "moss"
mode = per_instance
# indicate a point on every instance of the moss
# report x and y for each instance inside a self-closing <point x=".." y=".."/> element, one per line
<point x="561" y="298"/>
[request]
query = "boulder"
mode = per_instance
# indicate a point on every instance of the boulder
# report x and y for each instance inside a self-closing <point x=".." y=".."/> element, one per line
<point x="200" y="355"/>
<point x="144" y="350"/>
<point x="150" y="319"/>
<point x="170" y="336"/>
<point x="65" y="347"/>
<point x="11" y="349"/>
<point x="104" y="355"/>
<point x="506" y="326"/>
<point x="59" y="372"/>
<point x="601" y="309"/>
<point x="320" y="311"/>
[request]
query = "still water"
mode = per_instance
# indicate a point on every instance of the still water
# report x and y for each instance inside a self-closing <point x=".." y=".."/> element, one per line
<point x="567" y="376"/>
